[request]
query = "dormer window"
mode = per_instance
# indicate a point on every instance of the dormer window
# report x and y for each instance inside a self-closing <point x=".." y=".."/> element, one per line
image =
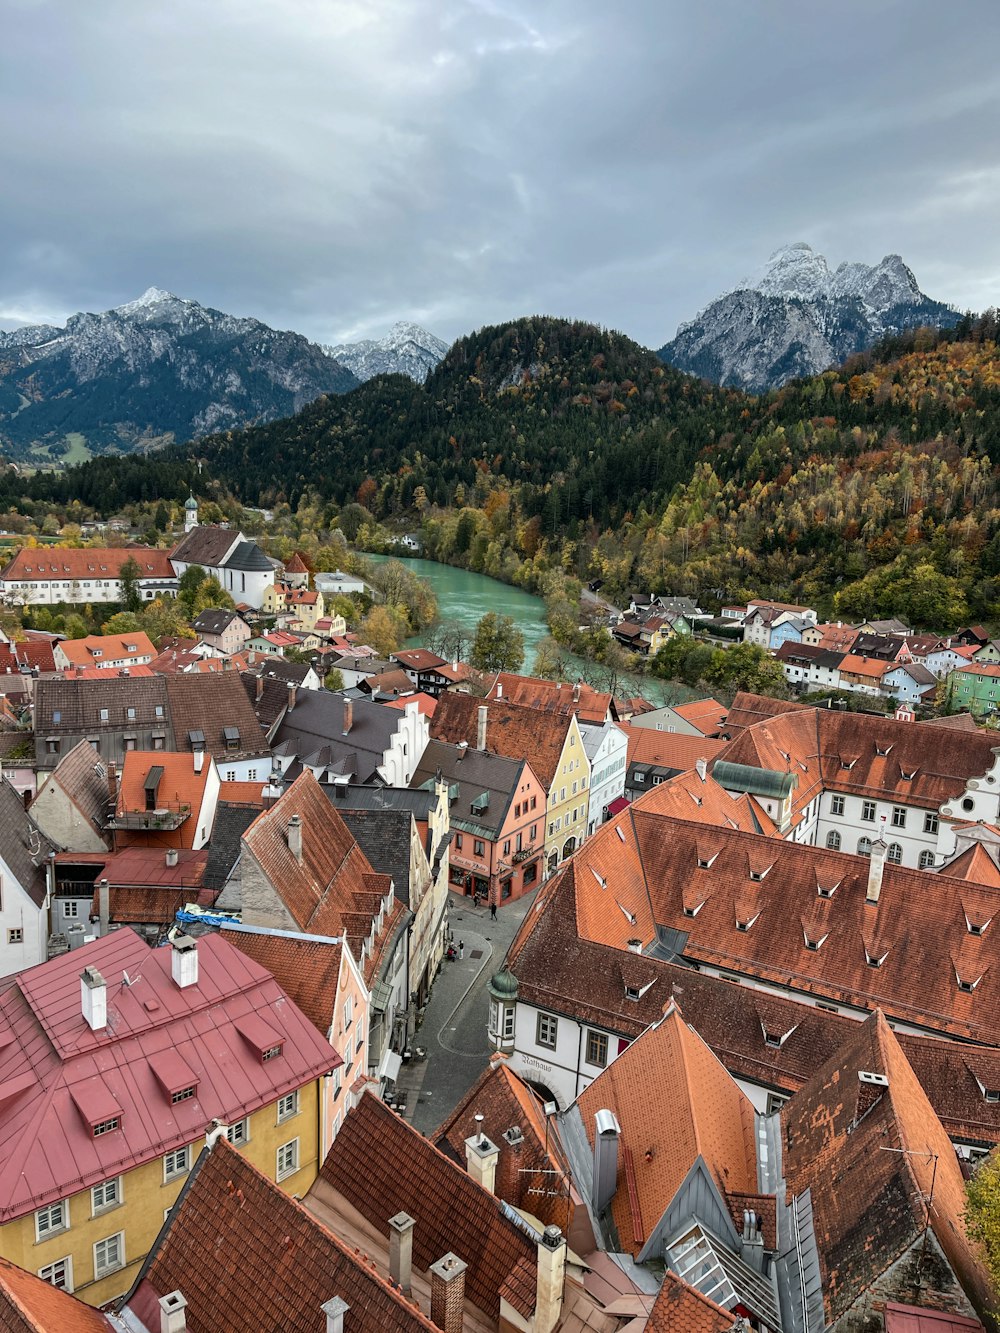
<point x="882" y="750"/>
<point x="907" y="777"/>
<point x="875" y="960"/>
<point x="977" y="927"/>
<point x="848" y="763"/>
<point x="272" y="1052"/>
<point x="966" y="985"/>
<point x="106" y="1126"/>
<point x="827" y="890"/>
<point x="992" y="1095"/>
<point x="758" y="875"/>
<point x="744" y="926"/>
<point x="182" y="1095"/>
<point x="693" y="911"/>
<point x="631" y="992"/>
<point x="814" y="945"/>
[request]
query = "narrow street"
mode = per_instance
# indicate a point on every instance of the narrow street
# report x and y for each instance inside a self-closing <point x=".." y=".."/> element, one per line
<point x="454" y="1027"/>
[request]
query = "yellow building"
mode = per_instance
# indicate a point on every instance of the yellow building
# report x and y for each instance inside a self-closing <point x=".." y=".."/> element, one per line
<point x="120" y="1060"/>
<point x="569" y="793"/>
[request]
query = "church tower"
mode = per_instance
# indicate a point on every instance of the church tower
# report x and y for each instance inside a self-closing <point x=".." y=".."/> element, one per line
<point x="190" y="513"/>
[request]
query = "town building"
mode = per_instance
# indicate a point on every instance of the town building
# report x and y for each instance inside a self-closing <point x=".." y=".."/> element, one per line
<point x="551" y="696"/>
<point x="701" y="717"/>
<point x="107" y="652"/>
<point x="224" y="631"/>
<point x="46" y="576"/>
<point x="240" y="566"/>
<point x="606" y="747"/>
<point x="769" y="624"/>
<point x="26" y="882"/>
<point x="71" y="804"/>
<point x="165" y="800"/>
<point x="102" y="1121"/>
<point x="975" y="688"/>
<point x="653" y="757"/>
<point x="335" y="736"/>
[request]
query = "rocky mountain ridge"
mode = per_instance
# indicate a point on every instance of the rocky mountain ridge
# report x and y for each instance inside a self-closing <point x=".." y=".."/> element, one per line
<point x="157" y="368"/>
<point x="795" y="316"/>
<point x="407" y="349"/>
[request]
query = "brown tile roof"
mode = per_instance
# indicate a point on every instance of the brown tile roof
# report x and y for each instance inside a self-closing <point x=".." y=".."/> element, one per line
<point x="206" y="546"/>
<point x="209" y="703"/>
<point x="746" y="709"/>
<point x="79" y="704"/>
<point x="382" y="1166"/>
<point x="837" y="638"/>
<point x="296" y="565"/>
<point x="246" y="1257"/>
<point x="90" y="562"/>
<point x="28" y="1304"/>
<point x="852" y="665"/>
<point x="679" y="1308"/>
<point x="868" y="1204"/>
<point x="668" y="749"/>
<point x="512" y="731"/>
<point x="958" y="721"/>
<point x="138" y="904"/>
<point x="505" y="1102"/>
<point x="418" y="659"/>
<point x="674" y="1101"/>
<point x="552" y="696"/>
<point x="82" y="777"/>
<point x="307" y="970"/>
<point x="974" y="864"/>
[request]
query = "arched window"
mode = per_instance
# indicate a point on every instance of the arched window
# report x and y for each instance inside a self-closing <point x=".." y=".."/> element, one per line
<point x="926" y="860"/>
<point x="864" y="846"/>
<point x="895" y="854"/>
<point x="833" y="841"/>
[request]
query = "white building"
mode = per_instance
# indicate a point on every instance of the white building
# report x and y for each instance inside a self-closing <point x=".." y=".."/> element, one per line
<point x="25" y="885"/>
<point x="239" y="564"/>
<point x="606" y="747"/>
<point x="45" y="576"/>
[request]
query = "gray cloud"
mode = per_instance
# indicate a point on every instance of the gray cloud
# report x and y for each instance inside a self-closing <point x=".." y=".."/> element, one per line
<point x="334" y="165"/>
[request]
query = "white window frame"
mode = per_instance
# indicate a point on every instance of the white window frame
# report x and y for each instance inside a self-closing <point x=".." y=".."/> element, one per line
<point x="106" y="1269"/>
<point x="550" y="1024"/>
<point x="289" y="1152"/>
<point x="53" y="1229"/>
<point x="102" y="1204"/>
<point x="175" y="1173"/>
<point x="238" y="1132"/>
<point x="288" y="1106"/>
<point x="48" y="1273"/>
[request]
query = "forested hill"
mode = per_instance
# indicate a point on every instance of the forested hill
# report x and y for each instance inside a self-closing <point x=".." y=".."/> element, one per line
<point x="545" y="444"/>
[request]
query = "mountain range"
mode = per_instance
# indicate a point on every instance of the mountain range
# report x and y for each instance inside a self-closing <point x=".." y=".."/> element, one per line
<point x="407" y="349"/>
<point x="796" y="316"/>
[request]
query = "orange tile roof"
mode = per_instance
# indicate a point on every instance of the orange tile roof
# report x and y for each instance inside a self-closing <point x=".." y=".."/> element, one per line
<point x="296" y="565"/>
<point x="679" y="1308"/>
<point x="247" y="1256"/>
<point x="974" y="864"/>
<point x="32" y="564"/>
<point x="307" y="970"/>
<point x="28" y="1304"/>
<point x="868" y="1204"/>
<point x="98" y="648"/>
<point x="133" y="671"/>
<point x="746" y="709"/>
<point x="674" y="1101"/>
<point x="707" y="715"/>
<point x="668" y="749"/>
<point x="243" y="793"/>
<point x="511" y="731"/>
<point x="179" y="786"/>
<point x="426" y="703"/>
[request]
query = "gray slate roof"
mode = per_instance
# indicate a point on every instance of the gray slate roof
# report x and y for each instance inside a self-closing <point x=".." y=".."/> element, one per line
<point x="75" y="705"/>
<point x="248" y="556"/>
<point x="231" y="822"/>
<point x="470" y="773"/>
<point x="314" y="733"/>
<point x="213" y="621"/>
<point x="384" y="837"/>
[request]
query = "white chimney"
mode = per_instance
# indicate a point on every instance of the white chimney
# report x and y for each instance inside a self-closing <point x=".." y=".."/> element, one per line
<point x="199" y="760"/>
<point x="481" y="1157"/>
<point x="876" y="865"/>
<point x="94" y="999"/>
<point x="104" y="906"/>
<point x="295" y="837"/>
<point x="184" y="961"/>
<point x="481" y="728"/>
<point x="401" y="1250"/>
<point x="499" y="689"/>
<point x="551" y="1262"/>
<point x="171" y="856"/>
<point x="701" y="766"/>
<point x="173" y="1313"/>
<point x="334" y="1309"/>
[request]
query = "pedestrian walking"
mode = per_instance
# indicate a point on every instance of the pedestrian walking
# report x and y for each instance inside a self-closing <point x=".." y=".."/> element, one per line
<point x="461" y="948"/>
<point x="493" y="911"/>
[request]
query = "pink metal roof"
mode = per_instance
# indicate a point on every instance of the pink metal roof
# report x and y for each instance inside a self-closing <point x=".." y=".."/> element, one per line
<point x="57" y="1077"/>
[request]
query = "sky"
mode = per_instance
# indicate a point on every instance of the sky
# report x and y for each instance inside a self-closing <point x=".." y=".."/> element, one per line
<point x="332" y="166"/>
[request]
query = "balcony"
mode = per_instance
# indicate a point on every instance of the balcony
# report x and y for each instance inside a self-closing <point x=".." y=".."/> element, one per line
<point x="162" y="819"/>
<point x="523" y="855"/>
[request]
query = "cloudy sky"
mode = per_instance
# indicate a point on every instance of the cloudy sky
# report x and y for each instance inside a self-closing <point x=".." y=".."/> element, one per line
<point x="334" y="165"/>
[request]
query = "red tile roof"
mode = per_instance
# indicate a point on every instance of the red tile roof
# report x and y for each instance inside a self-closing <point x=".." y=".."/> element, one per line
<point x="707" y="715"/>
<point x="511" y="731"/>
<point x="382" y="1166"/>
<point x="426" y="703"/>
<point x="552" y="696"/>
<point x="418" y="659"/>
<point x="296" y="565"/>
<point x="668" y="749"/>
<point x="52" y="1058"/>
<point x="692" y="1107"/>
<point x="103" y="649"/>
<point x="33" y="564"/>
<point x="679" y="1308"/>
<point x="247" y="1257"/>
<point x="746" y="709"/>
<point x="307" y="970"/>
<point x="28" y="1304"/>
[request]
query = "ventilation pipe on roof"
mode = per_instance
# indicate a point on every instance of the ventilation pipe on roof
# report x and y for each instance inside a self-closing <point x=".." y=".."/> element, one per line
<point x="173" y="1313"/>
<point x="606" y="1134"/>
<point x="462" y="747"/>
<point x="199" y="760"/>
<point x="112" y="781"/>
<point x="295" y="837"/>
<point x="576" y="691"/>
<point x="184" y="961"/>
<point x="701" y="765"/>
<point x="481" y="727"/>
<point x="94" y="999"/>
<point x="171" y="856"/>
<point x="335" y="1309"/>
<point x="551" y="1266"/>
<point x="259" y="687"/>
<point x="401" y="1250"/>
<point x="104" y="906"/>
<point x="876" y="866"/>
<point x="499" y="694"/>
<point x="448" y="1293"/>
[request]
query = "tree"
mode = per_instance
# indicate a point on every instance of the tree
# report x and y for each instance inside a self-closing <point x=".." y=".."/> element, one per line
<point x="548" y="663"/>
<point x="449" y="639"/>
<point x="383" y="628"/>
<point x="123" y="622"/>
<point x="498" y="644"/>
<point x="211" y="593"/>
<point x="129" y="574"/>
<point x="982" y="1213"/>
<point x="189" y="583"/>
<point x="334" y="679"/>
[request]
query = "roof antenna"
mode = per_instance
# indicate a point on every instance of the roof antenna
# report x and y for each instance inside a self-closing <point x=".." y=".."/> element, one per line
<point x="479" y="1130"/>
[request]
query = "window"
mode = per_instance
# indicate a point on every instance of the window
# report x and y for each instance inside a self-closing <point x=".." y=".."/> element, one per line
<point x="288" y="1106"/>
<point x="239" y="1132"/>
<point x="51" y="746"/>
<point x="104" y="715"/>
<point x="864" y="846"/>
<point x="546" y="1029"/>
<point x="597" y="1048"/>
<point x="15" y="936"/>
<point x="176" y="1163"/>
<point x="130" y="714"/>
<point x="230" y="775"/>
<point x="106" y="1126"/>
<point x="478" y="848"/>
<point x="931" y="822"/>
<point x="105" y="1196"/>
<point x="899" y="816"/>
<point x="458" y="842"/>
<point x="272" y="1052"/>
<point x="833" y="841"/>
<point x="775" y="1101"/>
<point x="506" y="847"/>
<point x="109" y="1254"/>
<point x="183" y="1095"/>
<point x="52" y="1219"/>
<point x="868" y="811"/>
<point x="287" y="1159"/>
<point x="70" y="908"/>
<point x="926" y="860"/>
<point x="348" y="1011"/>
<point x="895" y="854"/>
<point x="508" y="1023"/>
<point x="58" y="1274"/>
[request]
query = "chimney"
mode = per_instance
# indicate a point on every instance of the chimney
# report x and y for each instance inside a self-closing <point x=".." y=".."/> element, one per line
<point x="348" y="716"/>
<point x="702" y="768"/>
<point x="448" y="1293"/>
<point x="199" y="760"/>
<point x="499" y="689"/>
<point x="293" y="691"/>
<point x="606" y="1133"/>
<point x="295" y="837"/>
<point x="635" y="946"/>
<point x="112" y="781"/>
<point x="549" y="1283"/>
<point x="481" y="1156"/>
<point x="184" y="961"/>
<point x="170" y="858"/>
<point x="334" y="1309"/>
<point x="401" y="1250"/>
<point x="259" y="687"/>
<point x="216" y="1131"/>
<point x="104" y="906"/>
<point x="94" y="999"/>
<point x="576" y="692"/>
<point x="462" y="747"/>
<point x="481" y="728"/>
<point x="876" y="865"/>
<point x="454" y="664"/>
<point x="173" y="1316"/>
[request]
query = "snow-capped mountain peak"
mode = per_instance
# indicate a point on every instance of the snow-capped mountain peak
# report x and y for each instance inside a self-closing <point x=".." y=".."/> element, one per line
<point x="407" y="349"/>
<point x="793" y="270"/>
<point x="151" y="298"/>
